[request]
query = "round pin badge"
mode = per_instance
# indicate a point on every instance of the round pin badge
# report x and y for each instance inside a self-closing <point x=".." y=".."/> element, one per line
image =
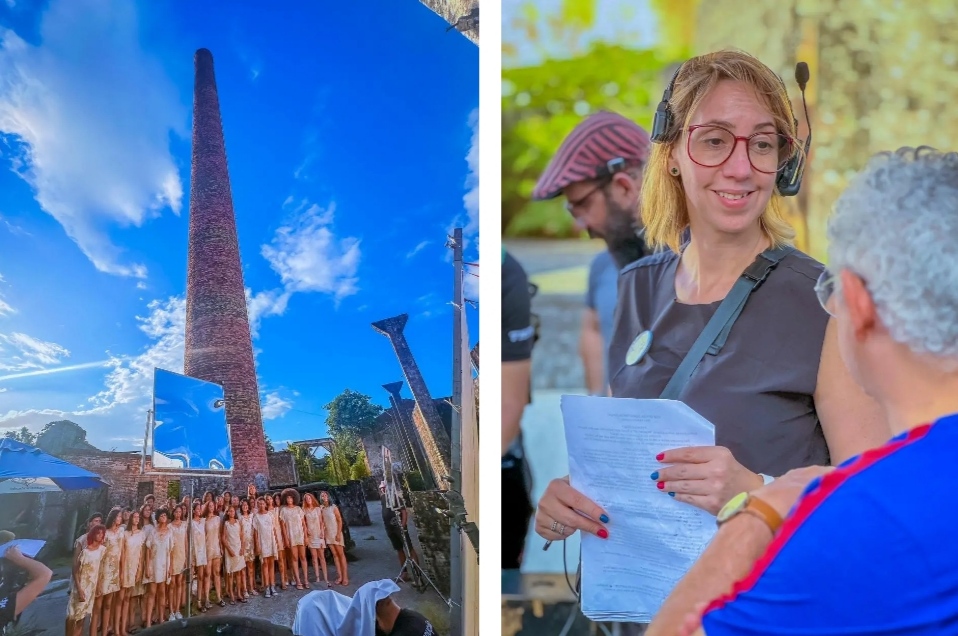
<point x="638" y="348"/>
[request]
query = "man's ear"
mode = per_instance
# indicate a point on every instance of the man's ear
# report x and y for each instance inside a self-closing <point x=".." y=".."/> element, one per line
<point x="858" y="304"/>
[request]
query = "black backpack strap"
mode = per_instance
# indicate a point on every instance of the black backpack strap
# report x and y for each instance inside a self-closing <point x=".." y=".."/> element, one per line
<point x="713" y="337"/>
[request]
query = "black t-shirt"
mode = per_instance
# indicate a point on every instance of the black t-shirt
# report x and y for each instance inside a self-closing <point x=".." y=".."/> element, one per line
<point x="518" y="332"/>
<point x="409" y="623"/>
<point x="390" y="517"/>
<point x="8" y="609"/>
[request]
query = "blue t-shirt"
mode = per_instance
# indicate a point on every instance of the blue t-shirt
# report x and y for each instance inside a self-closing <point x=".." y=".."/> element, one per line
<point x="601" y="296"/>
<point x="869" y="549"/>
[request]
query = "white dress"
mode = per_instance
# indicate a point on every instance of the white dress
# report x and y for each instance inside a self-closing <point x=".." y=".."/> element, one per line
<point x="88" y="576"/>
<point x="214" y="549"/>
<point x="265" y="535"/>
<point x="198" y="541"/>
<point x="148" y="531"/>
<point x="233" y="538"/>
<point x="292" y="517"/>
<point x="179" y="547"/>
<point x="160" y="552"/>
<point x="249" y="553"/>
<point x="109" y="576"/>
<point x="333" y="536"/>
<point x="314" y="528"/>
<point x="132" y="559"/>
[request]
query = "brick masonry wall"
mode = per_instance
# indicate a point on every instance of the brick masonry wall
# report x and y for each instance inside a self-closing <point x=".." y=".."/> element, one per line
<point x="218" y="344"/>
<point x="282" y="470"/>
<point x="433" y="531"/>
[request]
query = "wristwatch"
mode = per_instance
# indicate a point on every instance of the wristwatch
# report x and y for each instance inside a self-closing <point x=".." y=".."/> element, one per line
<point x="750" y="504"/>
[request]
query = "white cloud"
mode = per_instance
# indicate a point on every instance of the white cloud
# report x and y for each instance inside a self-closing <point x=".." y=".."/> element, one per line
<point x="90" y="114"/>
<point x="264" y="303"/>
<point x="140" y="285"/>
<point x="19" y="352"/>
<point x="5" y="308"/>
<point x="131" y="378"/>
<point x="422" y="245"/>
<point x="309" y="258"/>
<point x="3" y="390"/>
<point x="274" y="406"/>
<point x="470" y="199"/>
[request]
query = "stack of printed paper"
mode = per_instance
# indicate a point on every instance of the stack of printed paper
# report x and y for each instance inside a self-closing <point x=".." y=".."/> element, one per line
<point x="653" y="538"/>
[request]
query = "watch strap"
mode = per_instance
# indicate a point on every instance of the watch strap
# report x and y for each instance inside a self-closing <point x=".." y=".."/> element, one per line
<point x="758" y="508"/>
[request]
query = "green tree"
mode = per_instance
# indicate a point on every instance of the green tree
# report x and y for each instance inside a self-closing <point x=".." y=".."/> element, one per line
<point x="359" y="469"/>
<point x="23" y="435"/>
<point x="351" y="412"/>
<point x="269" y="444"/>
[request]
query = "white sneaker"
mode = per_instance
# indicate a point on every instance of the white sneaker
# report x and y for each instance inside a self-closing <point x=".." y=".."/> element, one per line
<point x="179" y="616"/>
<point x="172" y="617"/>
<point x="267" y="595"/>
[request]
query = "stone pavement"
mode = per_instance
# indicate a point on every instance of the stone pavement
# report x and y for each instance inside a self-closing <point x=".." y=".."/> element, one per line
<point x="374" y="560"/>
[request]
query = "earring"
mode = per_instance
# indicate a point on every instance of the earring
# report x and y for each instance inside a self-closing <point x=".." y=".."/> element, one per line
<point x="674" y="171"/>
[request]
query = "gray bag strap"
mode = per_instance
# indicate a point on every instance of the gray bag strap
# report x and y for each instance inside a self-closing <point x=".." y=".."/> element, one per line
<point x="713" y="337"/>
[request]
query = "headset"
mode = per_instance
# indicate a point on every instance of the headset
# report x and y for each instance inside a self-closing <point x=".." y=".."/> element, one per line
<point x="789" y="177"/>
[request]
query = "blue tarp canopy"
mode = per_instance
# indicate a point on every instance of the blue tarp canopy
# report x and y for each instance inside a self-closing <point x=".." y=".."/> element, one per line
<point x="22" y="461"/>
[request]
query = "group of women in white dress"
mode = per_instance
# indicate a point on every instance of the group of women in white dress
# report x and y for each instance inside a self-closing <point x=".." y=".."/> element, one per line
<point x="137" y="559"/>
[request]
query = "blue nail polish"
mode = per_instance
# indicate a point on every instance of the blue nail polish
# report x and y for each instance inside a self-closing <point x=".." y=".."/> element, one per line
<point x="604" y="518"/>
<point x="655" y="475"/>
<point x="671" y="494"/>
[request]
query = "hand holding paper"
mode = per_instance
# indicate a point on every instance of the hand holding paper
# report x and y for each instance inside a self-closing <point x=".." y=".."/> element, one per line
<point x="653" y="539"/>
<point x="26" y="547"/>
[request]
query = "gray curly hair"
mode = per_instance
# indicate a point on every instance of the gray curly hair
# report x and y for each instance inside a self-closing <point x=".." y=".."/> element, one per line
<point x="896" y="226"/>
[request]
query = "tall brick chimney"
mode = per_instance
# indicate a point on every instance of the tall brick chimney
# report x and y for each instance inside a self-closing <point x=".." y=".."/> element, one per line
<point x="218" y="344"/>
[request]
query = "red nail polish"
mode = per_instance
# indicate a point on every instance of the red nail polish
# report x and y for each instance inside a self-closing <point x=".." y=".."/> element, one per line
<point x="660" y="456"/>
<point x="660" y="485"/>
<point x="603" y="533"/>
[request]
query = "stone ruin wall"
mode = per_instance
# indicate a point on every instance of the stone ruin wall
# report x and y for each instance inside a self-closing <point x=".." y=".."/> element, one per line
<point x="434" y="536"/>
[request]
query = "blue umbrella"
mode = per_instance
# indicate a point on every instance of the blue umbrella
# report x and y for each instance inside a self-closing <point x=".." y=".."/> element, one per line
<point x="24" y="468"/>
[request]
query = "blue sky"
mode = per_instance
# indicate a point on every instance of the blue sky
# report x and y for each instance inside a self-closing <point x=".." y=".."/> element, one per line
<point x="352" y="138"/>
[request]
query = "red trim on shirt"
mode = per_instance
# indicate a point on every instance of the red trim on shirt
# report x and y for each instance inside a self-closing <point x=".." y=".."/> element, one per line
<point x="809" y="503"/>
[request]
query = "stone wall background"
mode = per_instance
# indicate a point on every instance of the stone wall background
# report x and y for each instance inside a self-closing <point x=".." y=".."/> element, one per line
<point x="282" y="469"/>
<point x="884" y="74"/>
<point x="433" y="531"/>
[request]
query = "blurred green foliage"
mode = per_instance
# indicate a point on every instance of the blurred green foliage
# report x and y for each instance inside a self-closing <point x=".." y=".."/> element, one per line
<point x="541" y="104"/>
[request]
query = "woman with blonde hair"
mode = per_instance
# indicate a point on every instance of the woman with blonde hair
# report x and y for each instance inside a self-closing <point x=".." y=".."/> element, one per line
<point x="248" y="550"/>
<point x="178" y="584"/>
<point x="86" y="572"/>
<point x="200" y="561"/>
<point x="214" y="553"/>
<point x="264" y="540"/>
<point x="333" y="524"/>
<point x="780" y="397"/>
<point x="315" y="536"/>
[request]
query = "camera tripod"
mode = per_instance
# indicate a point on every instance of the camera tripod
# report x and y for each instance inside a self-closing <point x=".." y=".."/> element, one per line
<point x="420" y="580"/>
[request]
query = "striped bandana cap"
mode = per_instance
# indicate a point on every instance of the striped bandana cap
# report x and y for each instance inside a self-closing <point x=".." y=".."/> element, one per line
<point x="585" y="154"/>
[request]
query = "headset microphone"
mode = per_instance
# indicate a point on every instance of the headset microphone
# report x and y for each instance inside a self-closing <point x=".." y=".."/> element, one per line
<point x="789" y="179"/>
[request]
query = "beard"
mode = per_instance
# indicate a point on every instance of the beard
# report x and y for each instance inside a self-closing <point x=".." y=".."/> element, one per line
<point x="622" y="235"/>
